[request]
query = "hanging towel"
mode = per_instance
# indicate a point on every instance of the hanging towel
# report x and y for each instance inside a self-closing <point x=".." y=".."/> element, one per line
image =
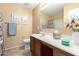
<point x="12" y="29"/>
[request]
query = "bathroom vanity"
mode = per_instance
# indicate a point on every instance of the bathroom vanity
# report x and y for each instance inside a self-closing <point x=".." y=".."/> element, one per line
<point x="47" y="46"/>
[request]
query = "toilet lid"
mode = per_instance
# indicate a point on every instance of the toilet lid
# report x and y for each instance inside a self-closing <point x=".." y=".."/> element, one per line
<point x="27" y="40"/>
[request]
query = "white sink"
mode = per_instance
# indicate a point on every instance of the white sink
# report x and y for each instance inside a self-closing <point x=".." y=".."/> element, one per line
<point x="45" y="36"/>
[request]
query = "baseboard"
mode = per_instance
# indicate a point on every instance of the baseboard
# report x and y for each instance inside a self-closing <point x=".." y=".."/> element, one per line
<point x="12" y="47"/>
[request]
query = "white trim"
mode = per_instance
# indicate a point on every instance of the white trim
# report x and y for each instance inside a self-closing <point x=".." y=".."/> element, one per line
<point x="12" y="47"/>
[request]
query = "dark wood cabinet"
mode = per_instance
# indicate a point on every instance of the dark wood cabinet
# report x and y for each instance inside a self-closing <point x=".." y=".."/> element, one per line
<point x="35" y="46"/>
<point x="32" y="43"/>
<point x="46" y="51"/>
<point x="40" y="48"/>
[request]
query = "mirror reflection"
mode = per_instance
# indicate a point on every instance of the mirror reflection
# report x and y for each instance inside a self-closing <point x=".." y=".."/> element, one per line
<point x="51" y="16"/>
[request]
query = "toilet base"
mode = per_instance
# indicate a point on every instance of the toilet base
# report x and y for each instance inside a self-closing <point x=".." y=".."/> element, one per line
<point x="27" y="46"/>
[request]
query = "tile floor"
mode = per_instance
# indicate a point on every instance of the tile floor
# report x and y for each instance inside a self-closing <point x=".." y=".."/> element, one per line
<point x="17" y="52"/>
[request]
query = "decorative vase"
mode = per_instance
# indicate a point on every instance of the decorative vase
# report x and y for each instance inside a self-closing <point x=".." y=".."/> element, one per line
<point x="75" y="37"/>
<point x="56" y="34"/>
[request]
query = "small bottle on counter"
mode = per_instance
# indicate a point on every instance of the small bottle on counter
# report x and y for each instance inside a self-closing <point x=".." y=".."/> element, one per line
<point x="56" y="34"/>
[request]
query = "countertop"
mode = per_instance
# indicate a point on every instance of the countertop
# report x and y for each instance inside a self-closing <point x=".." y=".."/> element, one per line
<point x="72" y="49"/>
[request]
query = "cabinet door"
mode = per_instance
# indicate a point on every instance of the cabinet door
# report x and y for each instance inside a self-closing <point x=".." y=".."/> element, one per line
<point x="58" y="52"/>
<point x="37" y="48"/>
<point x="32" y="45"/>
<point x="46" y="50"/>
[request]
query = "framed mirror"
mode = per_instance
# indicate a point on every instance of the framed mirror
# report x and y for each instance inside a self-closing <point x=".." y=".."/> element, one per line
<point x="51" y="16"/>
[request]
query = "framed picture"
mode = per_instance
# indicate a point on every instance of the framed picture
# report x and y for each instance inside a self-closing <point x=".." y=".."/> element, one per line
<point x="25" y="20"/>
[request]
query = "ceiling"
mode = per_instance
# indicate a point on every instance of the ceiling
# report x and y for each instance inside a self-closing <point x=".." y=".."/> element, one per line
<point x="53" y="8"/>
<point x="28" y="5"/>
<point x="47" y="8"/>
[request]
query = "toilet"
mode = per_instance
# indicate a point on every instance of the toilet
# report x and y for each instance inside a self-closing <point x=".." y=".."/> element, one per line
<point x="27" y="43"/>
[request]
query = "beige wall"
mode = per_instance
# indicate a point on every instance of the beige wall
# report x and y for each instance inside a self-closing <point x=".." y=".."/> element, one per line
<point x="22" y="29"/>
<point x="58" y="16"/>
<point x="45" y="16"/>
<point x="36" y="19"/>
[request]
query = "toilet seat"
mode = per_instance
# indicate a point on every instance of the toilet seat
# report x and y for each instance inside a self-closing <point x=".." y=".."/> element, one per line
<point x="27" y="40"/>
